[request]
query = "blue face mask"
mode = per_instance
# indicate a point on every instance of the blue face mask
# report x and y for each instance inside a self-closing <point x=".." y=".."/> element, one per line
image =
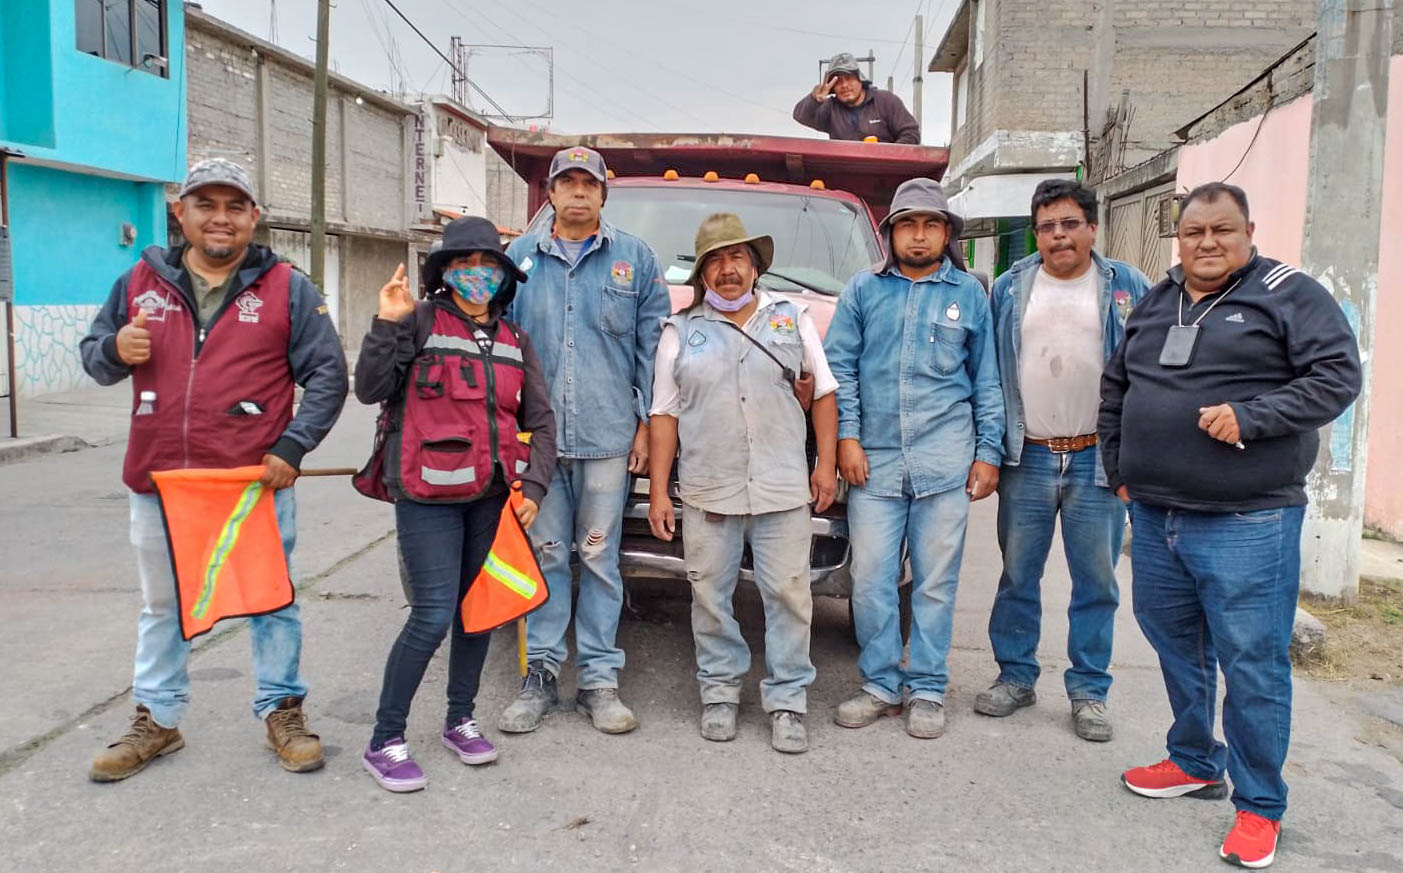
<point x="475" y="284"/>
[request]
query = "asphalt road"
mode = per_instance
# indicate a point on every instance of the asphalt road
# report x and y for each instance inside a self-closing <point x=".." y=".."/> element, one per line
<point x="1021" y="794"/>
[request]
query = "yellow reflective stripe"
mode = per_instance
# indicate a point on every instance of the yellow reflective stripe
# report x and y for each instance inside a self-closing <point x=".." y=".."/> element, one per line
<point x="509" y="576"/>
<point x="228" y="536"/>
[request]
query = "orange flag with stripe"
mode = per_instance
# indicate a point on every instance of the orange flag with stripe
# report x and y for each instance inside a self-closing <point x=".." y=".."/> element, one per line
<point x="510" y="583"/>
<point x="225" y="546"/>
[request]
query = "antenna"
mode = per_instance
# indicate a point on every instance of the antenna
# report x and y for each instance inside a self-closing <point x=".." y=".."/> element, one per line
<point x="273" y="21"/>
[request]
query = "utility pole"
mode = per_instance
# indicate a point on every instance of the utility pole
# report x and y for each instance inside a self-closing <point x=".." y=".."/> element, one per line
<point x="319" y="144"/>
<point x="1341" y="249"/>
<point x="919" y="49"/>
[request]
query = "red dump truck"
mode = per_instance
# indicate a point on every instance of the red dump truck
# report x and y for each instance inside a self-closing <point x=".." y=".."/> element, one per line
<point x="821" y="200"/>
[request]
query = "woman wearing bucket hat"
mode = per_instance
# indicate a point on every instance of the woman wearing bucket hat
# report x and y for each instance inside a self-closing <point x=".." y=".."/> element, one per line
<point x="458" y="383"/>
<point x="724" y="384"/>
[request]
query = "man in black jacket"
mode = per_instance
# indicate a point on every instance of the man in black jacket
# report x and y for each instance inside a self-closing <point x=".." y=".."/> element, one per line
<point x="1209" y="414"/>
<point x="845" y="105"/>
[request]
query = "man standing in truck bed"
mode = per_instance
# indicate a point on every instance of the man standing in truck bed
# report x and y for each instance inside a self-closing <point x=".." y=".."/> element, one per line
<point x="845" y="105"/>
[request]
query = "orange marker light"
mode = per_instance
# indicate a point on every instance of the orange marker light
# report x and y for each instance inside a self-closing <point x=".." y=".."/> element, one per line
<point x="670" y="176"/>
<point x="817" y="185"/>
<point x="752" y="179"/>
<point x="711" y="176"/>
<point x="610" y="174"/>
<point x="869" y="139"/>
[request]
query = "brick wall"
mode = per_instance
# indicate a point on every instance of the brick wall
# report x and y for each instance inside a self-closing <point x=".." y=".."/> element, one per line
<point x="226" y="114"/>
<point x="1173" y="61"/>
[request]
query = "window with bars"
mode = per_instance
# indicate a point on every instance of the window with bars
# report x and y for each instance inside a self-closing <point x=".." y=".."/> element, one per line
<point x="131" y="32"/>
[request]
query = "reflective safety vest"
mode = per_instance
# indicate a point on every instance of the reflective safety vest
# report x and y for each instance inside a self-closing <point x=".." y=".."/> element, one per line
<point x="458" y="422"/>
<point x="510" y="583"/>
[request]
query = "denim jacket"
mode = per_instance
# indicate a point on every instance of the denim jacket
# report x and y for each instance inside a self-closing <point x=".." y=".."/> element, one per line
<point x="596" y="326"/>
<point x="1122" y="286"/>
<point x="918" y="383"/>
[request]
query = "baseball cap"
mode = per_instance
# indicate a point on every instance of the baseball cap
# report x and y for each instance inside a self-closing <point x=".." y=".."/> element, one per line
<point x="218" y="171"/>
<point x="579" y="158"/>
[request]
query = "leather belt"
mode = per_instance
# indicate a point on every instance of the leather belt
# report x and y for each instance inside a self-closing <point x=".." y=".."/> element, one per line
<point x="1063" y="445"/>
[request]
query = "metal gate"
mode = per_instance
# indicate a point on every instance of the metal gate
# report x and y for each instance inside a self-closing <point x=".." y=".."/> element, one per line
<point x="1135" y="231"/>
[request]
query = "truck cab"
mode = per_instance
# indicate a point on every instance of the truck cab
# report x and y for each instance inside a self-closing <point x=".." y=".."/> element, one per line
<point x="820" y="200"/>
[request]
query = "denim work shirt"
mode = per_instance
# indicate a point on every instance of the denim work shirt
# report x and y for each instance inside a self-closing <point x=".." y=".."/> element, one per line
<point x="595" y="325"/>
<point x="918" y="383"/>
<point x="1122" y="287"/>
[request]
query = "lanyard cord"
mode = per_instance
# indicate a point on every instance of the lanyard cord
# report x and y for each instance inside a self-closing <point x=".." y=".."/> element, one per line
<point x="1205" y="312"/>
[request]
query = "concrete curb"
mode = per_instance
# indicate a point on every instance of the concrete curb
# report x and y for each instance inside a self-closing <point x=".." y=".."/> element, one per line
<point x="28" y="447"/>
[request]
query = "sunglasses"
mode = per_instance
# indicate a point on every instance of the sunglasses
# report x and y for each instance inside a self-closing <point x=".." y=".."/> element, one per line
<point x="1068" y="225"/>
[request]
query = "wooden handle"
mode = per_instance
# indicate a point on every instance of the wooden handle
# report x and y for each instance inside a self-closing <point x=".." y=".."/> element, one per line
<point x="330" y="471"/>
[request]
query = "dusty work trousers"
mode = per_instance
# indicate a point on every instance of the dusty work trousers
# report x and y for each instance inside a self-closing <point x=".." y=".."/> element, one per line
<point x="779" y="543"/>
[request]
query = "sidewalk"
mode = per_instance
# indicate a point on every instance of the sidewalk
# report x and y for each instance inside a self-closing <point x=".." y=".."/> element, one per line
<point x="68" y="421"/>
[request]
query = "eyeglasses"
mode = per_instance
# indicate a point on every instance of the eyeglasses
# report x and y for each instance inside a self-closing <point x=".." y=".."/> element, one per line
<point x="1069" y="225"/>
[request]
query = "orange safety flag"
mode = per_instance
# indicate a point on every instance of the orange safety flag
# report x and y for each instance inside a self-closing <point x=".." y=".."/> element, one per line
<point x="222" y="529"/>
<point x="510" y="583"/>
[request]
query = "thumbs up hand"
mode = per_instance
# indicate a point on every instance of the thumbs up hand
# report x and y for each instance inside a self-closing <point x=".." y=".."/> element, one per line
<point x="134" y="341"/>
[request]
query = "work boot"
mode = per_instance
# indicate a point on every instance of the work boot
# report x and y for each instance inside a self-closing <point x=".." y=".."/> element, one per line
<point x="143" y="741"/>
<point x="537" y="696"/>
<point x="1003" y="698"/>
<point x="299" y="750"/>
<point x="925" y="719"/>
<point x="606" y="710"/>
<point x="864" y="709"/>
<point x="787" y="733"/>
<point x="1090" y="721"/>
<point x="718" y="722"/>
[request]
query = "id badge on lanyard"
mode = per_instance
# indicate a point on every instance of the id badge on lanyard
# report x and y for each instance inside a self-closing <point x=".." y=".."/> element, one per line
<point x="1179" y="345"/>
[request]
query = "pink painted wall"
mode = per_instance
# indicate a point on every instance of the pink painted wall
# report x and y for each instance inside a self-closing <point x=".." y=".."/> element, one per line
<point x="1274" y="176"/>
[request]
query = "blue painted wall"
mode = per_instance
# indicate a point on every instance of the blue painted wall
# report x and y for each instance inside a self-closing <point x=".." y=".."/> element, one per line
<point x="67" y="232"/>
<point x="78" y="110"/>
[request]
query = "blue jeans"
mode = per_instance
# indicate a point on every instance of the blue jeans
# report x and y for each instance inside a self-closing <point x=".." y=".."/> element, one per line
<point x="1218" y="590"/>
<point x="443" y="546"/>
<point x="1031" y="496"/>
<point x="585" y="508"/>
<point x="933" y="529"/>
<point x="160" y="681"/>
<point x="779" y="545"/>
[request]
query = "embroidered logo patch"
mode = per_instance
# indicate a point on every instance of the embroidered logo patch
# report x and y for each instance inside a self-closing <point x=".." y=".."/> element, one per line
<point x="697" y="339"/>
<point x="1123" y="304"/>
<point x="248" y="304"/>
<point x="781" y="323"/>
<point x="579" y="156"/>
<point x="622" y="271"/>
<point x="527" y="264"/>
<point x="156" y="304"/>
<point x="952" y="312"/>
<point x="1236" y="318"/>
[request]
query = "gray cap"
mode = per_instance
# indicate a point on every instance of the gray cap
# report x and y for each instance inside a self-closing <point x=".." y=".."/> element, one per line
<point x="844" y="62"/>
<point x="923" y="196"/>
<point x="579" y="158"/>
<point x="218" y="171"/>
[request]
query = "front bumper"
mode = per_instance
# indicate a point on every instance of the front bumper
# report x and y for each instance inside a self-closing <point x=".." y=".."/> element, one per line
<point x="643" y="556"/>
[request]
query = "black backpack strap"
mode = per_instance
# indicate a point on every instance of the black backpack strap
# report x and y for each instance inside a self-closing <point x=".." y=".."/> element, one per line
<point x="788" y="373"/>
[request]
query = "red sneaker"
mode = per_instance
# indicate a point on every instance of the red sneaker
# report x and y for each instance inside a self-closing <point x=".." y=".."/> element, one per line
<point x="1252" y="841"/>
<point x="1165" y="779"/>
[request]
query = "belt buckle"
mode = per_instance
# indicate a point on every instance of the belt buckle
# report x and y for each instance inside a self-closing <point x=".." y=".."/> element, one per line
<point x="1060" y="445"/>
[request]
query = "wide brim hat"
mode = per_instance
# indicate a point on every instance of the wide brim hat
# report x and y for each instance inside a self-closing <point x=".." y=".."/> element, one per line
<point x="463" y="236"/>
<point x="721" y="230"/>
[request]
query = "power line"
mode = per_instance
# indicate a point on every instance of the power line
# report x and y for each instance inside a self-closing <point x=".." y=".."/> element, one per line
<point x="437" y="51"/>
<point x="843" y="36"/>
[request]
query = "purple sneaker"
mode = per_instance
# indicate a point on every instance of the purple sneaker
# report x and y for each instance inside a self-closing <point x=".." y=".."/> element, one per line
<point x="468" y="743"/>
<point x="393" y="767"/>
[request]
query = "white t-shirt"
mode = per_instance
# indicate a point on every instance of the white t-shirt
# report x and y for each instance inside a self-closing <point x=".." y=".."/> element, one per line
<point x="1062" y="356"/>
<point x="667" y="398"/>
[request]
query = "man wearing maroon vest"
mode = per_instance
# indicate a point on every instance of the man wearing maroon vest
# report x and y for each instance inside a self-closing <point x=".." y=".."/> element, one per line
<point x="214" y="333"/>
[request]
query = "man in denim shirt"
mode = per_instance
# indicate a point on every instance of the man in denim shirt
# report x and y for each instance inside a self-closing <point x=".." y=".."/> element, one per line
<point x="1058" y="316"/>
<point x="920" y="433"/>
<point x="593" y="305"/>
